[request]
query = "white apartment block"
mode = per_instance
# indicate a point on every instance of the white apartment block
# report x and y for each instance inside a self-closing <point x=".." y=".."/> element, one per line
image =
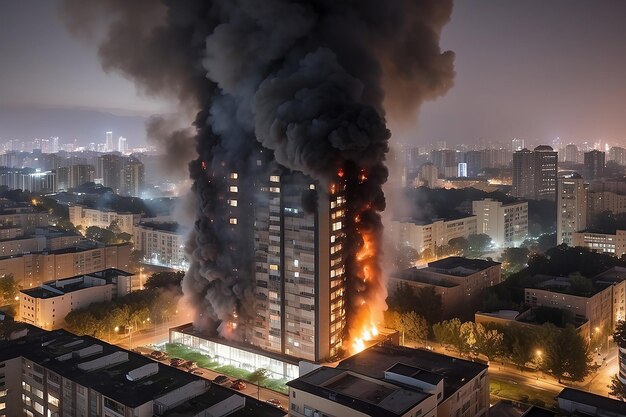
<point x="571" y="214"/>
<point x="611" y="243"/>
<point x="423" y="236"/>
<point x="47" y="305"/>
<point x="161" y="243"/>
<point x="87" y="217"/>
<point x="505" y="224"/>
<point x="392" y="381"/>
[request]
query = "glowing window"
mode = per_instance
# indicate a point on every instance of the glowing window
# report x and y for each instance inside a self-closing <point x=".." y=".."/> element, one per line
<point x="234" y="189"/>
<point x="233" y="220"/>
<point x="233" y="175"/>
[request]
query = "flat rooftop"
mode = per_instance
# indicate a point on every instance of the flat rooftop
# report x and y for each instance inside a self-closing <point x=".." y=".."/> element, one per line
<point x="564" y="285"/>
<point x="111" y="380"/>
<point x="61" y="289"/>
<point x="80" y="247"/>
<point x="598" y="401"/>
<point x="460" y="266"/>
<point x="374" y="361"/>
<point x="370" y="396"/>
<point x="427" y="221"/>
<point x="216" y="394"/>
<point x="171" y="227"/>
<point x="419" y="275"/>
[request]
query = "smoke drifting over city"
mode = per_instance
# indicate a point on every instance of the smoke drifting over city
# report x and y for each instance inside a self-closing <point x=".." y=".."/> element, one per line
<point x="302" y="83"/>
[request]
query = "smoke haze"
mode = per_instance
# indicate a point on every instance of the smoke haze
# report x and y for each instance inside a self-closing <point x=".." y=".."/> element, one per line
<point x="303" y="83"/>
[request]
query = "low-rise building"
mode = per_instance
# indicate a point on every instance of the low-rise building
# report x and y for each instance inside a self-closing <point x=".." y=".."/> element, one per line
<point x="19" y="219"/>
<point x="597" y="241"/>
<point x="48" y="238"/>
<point x="596" y="305"/>
<point x="577" y="402"/>
<point x="393" y="381"/>
<point x="32" y="269"/>
<point x="162" y="243"/>
<point x="59" y="374"/>
<point x="459" y="281"/>
<point x="505" y="224"/>
<point x="529" y="319"/>
<point x="429" y="235"/>
<point x="47" y="305"/>
<point x="87" y="217"/>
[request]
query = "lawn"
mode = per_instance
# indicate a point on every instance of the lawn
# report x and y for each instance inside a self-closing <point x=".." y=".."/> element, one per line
<point x="524" y="394"/>
<point x="205" y="361"/>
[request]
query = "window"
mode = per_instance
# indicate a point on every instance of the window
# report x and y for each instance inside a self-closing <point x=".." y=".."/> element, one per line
<point x="38" y="392"/>
<point x="53" y="400"/>
<point x="234" y="189"/>
<point x="233" y="220"/>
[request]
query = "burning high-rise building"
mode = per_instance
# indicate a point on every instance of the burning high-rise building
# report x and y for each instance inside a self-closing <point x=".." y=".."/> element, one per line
<point x="303" y="85"/>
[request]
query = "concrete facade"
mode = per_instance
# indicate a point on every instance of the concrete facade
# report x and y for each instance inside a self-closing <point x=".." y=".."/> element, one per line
<point x="505" y="224"/>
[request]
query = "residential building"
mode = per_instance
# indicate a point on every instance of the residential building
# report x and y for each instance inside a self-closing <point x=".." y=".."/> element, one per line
<point x="111" y="171"/>
<point x="162" y="243"/>
<point x="299" y="270"/>
<point x="558" y="292"/>
<point x="535" y="173"/>
<point x="28" y="179"/>
<point x="429" y="175"/>
<point x="59" y="374"/>
<point x="74" y="175"/>
<point x="133" y="177"/>
<point x="523" y="174"/>
<point x="393" y="381"/>
<point x="23" y="217"/>
<point x="430" y="235"/>
<point x="459" y="281"/>
<point x="474" y="161"/>
<point x="33" y="269"/>
<point x="578" y="402"/>
<point x="571" y="153"/>
<point x="109" y="142"/>
<point x="444" y="159"/>
<point x="42" y="239"/>
<point x="47" y="305"/>
<point x="87" y="217"/>
<point x="517" y="144"/>
<point x="617" y="154"/>
<point x="505" y="224"/>
<point x="594" y="164"/>
<point x="597" y="241"/>
<point x="571" y="214"/>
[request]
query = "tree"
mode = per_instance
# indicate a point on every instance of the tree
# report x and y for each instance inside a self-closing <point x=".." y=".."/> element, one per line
<point x="100" y="235"/>
<point x="165" y="279"/>
<point x="406" y="257"/>
<point x="479" y="243"/>
<point x="8" y="289"/>
<point x="403" y="299"/>
<point x="458" y="245"/>
<point x="514" y="259"/>
<point x="449" y="333"/>
<point x="568" y="354"/>
<point x="617" y="388"/>
<point x="428" y="304"/>
<point x="114" y="227"/>
<point x="415" y="327"/>
<point x="258" y="377"/>
<point x="619" y="336"/>
<point x="546" y="241"/>
<point x="488" y="342"/>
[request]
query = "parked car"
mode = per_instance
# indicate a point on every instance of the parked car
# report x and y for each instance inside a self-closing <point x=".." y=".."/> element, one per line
<point x="158" y="355"/>
<point x="275" y="402"/>
<point x="222" y="380"/>
<point x="195" y="371"/>
<point x="239" y="385"/>
<point x="176" y="361"/>
<point x="190" y="365"/>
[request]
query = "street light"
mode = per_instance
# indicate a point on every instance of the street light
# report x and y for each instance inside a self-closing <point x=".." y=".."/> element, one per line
<point x="539" y="354"/>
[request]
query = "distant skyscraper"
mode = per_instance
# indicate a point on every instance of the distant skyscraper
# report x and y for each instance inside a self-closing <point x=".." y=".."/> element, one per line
<point x="55" y="144"/>
<point x="571" y="153"/>
<point x="102" y="147"/>
<point x="122" y="146"/>
<point x="535" y="173"/>
<point x="109" y="142"/>
<point x="617" y="154"/>
<point x="474" y="161"/>
<point x="546" y="168"/>
<point x="462" y="169"/>
<point x="523" y="174"/>
<point x="429" y="175"/>
<point x="517" y="144"/>
<point x="444" y="158"/>
<point x="92" y="146"/>
<point x="594" y="165"/>
<point x="571" y="215"/>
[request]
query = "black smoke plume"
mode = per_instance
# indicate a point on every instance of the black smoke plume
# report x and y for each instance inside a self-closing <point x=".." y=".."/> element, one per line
<point x="303" y="83"/>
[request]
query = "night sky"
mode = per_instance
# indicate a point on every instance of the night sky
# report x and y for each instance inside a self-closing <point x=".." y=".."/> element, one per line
<point x="534" y="69"/>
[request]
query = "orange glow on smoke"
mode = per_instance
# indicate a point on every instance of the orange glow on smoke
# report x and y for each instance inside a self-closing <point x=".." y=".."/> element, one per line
<point x="203" y="166"/>
<point x="340" y="173"/>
